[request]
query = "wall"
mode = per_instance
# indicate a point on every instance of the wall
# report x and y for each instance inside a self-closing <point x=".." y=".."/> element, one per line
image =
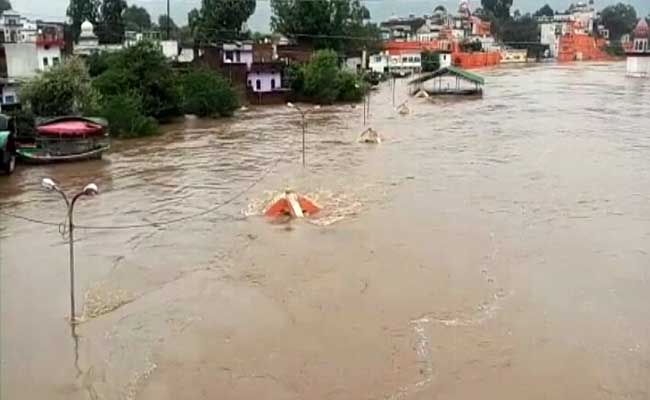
<point x="9" y="95"/>
<point x="378" y="63"/>
<point x="170" y="49"/>
<point x="22" y="61"/>
<point x="354" y="64"/>
<point x="445" y="60"/>
<point x="475" y="60"/>
<point x="51" y="53"/>
<point x="549" y="37"/>
<point x="638" y="66"/>
<point x="265" y="81"/>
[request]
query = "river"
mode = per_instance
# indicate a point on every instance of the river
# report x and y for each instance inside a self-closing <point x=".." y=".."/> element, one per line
<point x="495" y="248"/>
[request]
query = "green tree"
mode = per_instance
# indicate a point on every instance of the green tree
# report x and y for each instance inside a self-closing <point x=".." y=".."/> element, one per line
<point x="619" y="19"/>
<point x="545" y="11"/>
<point x="142" y="69"/>
<point x="207" y="94"/>
<point x="499" y="8"/>
<point x="4" y="5"/>
<point x="523" y="29"/>
<point x="111" y="27"/>
<point x="136" y="18"/>
<point x="220" y="19"/>
<point x="165" y="22"/>
<point x="323" y="23"/>
<point x="80" y="11"/>
<point x="321" y="77"/>
<point x="350" y="87"/>
<point x="125" y="116"/>
<point x="62" y="90"/>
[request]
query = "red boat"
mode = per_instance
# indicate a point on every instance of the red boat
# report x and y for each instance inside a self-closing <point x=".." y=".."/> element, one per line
<point x="66" y="139"/>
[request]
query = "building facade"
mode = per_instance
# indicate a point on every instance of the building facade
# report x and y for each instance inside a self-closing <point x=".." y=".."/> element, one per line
<point x="638" y="56"/>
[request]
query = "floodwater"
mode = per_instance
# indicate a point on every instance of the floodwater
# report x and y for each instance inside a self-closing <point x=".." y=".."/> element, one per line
<point x="495" y="248"/>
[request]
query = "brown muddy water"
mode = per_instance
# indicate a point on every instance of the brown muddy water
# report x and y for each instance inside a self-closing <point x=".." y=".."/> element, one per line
<point x="495" y="248"/>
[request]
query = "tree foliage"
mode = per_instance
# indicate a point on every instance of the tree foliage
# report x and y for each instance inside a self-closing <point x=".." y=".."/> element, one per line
<point x="62" y="90"/>
<point x="111" y="26"/>
<point x="80" y="11"/>
<point x="4" y="5"/>
<point x="324" y="23"/>
<point x="619" y="19"/>
<point x="142" y="69"/>
<point x="322" y="81"/>
<point x="207" y="94"/>
<point x="220" y="19"/>
<point x="163" y="22"/>
<point x="499" y="8"/>
<point x="136" y="18"/>
<point x="125" y="116"/>
<point x="523" y="29"/>
<point x="545" y="11"/>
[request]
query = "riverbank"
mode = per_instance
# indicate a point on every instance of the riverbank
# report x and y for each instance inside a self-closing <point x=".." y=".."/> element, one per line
<point x="485" y="249"/>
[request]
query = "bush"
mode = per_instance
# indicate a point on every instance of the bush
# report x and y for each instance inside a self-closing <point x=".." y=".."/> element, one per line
<point x="207" y="94"/>
<point x="142" y="68"/>
<point x="351" y="87"/>
<point x="321" y="77"/>
<point x="126" y="117"/>
<point x="63" y="90"/>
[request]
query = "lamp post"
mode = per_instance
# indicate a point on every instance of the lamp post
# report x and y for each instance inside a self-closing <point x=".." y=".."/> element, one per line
<point x="89" y="190"/>
<point x="303" y="115"/>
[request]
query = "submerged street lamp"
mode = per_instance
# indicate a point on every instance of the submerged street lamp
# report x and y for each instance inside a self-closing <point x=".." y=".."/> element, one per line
<point x="89" y="190"/>
<point x="303" y="114"/>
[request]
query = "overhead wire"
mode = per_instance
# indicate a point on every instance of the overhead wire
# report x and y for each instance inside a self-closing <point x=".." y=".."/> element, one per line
<point x="155" y="224"/>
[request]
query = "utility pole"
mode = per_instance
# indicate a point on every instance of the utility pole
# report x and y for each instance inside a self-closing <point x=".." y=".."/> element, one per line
<point x="168" y="22"/>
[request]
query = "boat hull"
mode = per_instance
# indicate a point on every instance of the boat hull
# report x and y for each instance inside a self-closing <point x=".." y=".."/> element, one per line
<point x="38" y="156"/>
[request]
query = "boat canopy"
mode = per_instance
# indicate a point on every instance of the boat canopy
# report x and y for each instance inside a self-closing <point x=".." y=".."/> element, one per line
<point x="453" y="71"/>
<point x="72" y="126"/>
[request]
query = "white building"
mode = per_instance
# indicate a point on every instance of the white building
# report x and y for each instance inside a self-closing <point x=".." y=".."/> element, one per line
<point x="578" y="18"/>
<point x="402" y="63"/>
<point x="238" y="53"/>
<point x="265" y="77"/>
<point x="638" y="56"/>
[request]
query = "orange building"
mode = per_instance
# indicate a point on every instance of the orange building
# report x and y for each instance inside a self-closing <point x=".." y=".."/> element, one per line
<point x="578" y="46"/>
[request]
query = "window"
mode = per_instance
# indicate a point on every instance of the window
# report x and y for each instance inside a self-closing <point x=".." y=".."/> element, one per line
<point x="258" y="84"/>
<point x="55" y="61"/>
<point x="10" y="99"/>
<point x="378" y="59"/>
<point x="272" y="83"/>
<point x="228" y="56"/>
<point x="237" y="56"/>
<point x="404" y="59"/>
<point x="45" y="62"/>
<point x="250" y="83"/>
<point x="416" y="59"/>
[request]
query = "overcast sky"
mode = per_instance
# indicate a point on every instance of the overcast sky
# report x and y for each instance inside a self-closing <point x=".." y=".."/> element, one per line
<point x="379" y="9"/>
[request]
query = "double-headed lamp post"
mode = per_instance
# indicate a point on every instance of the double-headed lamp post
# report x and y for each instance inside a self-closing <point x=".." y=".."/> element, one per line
<point x="89" y="190"/>
<point x="303" y="115"/>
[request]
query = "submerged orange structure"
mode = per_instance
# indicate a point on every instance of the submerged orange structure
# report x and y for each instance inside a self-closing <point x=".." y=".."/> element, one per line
<point x="292" y="205"/>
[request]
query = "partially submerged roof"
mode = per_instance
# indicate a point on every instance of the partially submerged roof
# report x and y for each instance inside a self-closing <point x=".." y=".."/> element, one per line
<point x="451" y="70"/>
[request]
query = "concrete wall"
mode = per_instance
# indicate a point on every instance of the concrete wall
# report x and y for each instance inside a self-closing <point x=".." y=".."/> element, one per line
<point x="638" y="66"/>
<point x="22" y="60"/>
<point x="9" y="95"/>
<point x="378" y="63"/>
<point x="51" y="54"/>
<point x="264" y="79"/>
<point x="170" y="49"/>
<point x="445" y="60"/>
